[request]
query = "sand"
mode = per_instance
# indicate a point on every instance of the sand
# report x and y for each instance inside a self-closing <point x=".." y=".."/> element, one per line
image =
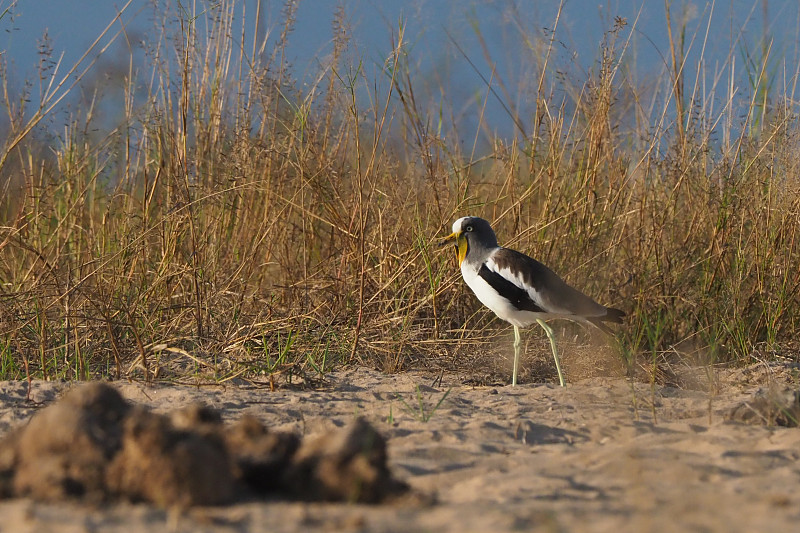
<point x="601" y="455"/>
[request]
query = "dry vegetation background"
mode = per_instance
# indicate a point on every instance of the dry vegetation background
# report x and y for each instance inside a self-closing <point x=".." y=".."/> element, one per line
<point x="236" y="223"/>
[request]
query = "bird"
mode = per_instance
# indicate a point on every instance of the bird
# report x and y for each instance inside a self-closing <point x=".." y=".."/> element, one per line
<point x="520" y="289"/>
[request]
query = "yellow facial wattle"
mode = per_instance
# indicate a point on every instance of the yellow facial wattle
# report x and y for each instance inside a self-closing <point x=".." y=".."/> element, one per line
<point x="462" y="247"/>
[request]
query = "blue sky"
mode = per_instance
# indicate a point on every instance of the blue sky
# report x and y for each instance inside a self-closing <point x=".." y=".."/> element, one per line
<point x="433" y="27"/>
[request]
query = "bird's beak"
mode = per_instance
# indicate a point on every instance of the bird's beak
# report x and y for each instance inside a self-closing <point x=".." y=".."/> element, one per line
<point x="450" y="239"/>
<point x="459" y="240"/>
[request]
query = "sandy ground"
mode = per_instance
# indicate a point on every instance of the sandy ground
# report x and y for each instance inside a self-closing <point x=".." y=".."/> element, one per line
<point x="600" y="455"/>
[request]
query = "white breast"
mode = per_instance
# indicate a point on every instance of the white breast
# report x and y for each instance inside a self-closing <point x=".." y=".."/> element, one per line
<point x="491" y="299"/>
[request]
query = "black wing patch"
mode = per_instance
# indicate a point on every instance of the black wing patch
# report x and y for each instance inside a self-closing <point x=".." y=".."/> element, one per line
<point x="518" y="297"/>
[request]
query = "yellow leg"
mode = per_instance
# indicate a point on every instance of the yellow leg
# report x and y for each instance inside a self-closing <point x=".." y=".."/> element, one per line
<point x="517" y="342"/>
<point x="549" y="332"/>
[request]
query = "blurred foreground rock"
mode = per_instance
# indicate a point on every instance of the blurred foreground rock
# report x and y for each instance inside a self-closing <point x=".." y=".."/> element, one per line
<point x="93" y="445"/>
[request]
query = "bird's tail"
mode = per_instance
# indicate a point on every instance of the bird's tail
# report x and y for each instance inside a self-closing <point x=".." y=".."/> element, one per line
<point x="612" y="315"/>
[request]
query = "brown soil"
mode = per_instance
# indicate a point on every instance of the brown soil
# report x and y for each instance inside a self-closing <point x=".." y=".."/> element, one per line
<point x="601" y="455"/>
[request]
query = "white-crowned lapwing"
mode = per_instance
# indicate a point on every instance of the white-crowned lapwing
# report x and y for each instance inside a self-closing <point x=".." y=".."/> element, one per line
<point x="520" y="289"/>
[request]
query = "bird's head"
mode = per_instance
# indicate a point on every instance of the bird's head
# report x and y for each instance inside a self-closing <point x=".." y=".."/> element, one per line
<point x="470" y="233"/>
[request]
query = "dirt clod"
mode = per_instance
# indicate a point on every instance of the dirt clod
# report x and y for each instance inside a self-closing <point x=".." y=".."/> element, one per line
<point x="349" y="464"/>
<point x="94" y="445"/>
<point x="165" y="465"/>
<point x="65" y="448"/>
<point x="261" y="457"/>
<point x="770" y="408"/>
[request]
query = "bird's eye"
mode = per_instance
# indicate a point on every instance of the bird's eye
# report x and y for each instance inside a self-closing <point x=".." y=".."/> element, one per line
<point x="468" y="228"/>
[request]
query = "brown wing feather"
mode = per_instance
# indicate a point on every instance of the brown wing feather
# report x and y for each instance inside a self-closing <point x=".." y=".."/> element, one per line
<point x="554" y="293"/>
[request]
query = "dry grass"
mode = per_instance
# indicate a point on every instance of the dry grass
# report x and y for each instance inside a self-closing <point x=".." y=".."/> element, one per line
<point x="233" y="224"/>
